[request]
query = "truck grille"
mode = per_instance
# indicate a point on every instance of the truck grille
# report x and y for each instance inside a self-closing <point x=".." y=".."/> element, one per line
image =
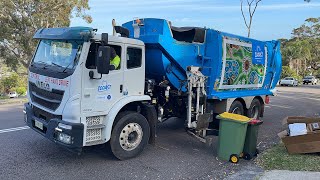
<point x="39" y="113"/>
<point x="50" y="100"/>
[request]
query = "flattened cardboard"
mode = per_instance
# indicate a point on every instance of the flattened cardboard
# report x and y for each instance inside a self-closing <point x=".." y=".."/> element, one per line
<point x="299" y="119"/>
<point x="308" y="143"/>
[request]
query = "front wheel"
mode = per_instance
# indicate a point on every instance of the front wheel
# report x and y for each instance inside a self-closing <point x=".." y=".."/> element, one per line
<point x="130" y="135"/>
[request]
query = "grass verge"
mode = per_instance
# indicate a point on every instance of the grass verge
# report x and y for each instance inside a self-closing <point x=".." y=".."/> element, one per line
<point x="278" y="158"/>
<point x="14" y="100"/>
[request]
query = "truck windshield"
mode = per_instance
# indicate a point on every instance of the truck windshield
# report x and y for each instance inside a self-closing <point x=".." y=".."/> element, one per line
<point x="60" y="53"/>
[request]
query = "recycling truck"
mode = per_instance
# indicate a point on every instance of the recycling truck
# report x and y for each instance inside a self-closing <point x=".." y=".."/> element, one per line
<point x="76" y="98"/>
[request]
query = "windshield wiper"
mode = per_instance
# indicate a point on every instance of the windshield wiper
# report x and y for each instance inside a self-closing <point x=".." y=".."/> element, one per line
<point x="68" y="66"/>
<point x="56" y="64"/>
<point x="45" y="65"/>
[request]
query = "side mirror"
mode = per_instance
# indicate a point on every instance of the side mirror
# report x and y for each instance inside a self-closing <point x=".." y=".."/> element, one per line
<point x="103" y="59"/>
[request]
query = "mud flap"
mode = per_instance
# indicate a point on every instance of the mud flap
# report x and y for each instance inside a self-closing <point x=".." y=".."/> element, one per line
<point x="149" y="111"/>
<point x="203" y="121"/>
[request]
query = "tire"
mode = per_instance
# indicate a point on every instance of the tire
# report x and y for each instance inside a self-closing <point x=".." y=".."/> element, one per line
<point x="247" y="157"/>
<point x="255" y="109"/>
<point x="234" y="158"/>
<point x="236" y="108"/>
<point x="130" y="126"/>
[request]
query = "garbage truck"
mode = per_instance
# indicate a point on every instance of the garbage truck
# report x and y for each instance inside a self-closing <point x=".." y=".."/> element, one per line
<point x="77" y="98"/>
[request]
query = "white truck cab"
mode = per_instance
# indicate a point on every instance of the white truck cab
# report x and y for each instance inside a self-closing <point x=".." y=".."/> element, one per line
<point x="74" y="105"/>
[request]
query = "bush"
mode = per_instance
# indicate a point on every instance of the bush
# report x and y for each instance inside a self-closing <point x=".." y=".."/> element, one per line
<point x="287" y="72"/>
<point x="21" y="90"/>
<point x="10" y="82"/>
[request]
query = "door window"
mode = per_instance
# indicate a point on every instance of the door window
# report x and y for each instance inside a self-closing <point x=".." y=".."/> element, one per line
<point x="91" y="59"/>
<point x="134" y="57"/>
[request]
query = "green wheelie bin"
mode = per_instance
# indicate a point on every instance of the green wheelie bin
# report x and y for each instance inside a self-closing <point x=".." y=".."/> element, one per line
<point x="232" y="134"/>
<point x="250" y="146"/>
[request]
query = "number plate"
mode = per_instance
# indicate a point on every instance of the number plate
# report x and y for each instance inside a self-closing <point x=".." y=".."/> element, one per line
<point x="38" y="124"/>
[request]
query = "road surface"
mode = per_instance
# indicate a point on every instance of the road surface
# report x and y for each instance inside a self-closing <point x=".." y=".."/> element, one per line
<point x="176" y="155"/>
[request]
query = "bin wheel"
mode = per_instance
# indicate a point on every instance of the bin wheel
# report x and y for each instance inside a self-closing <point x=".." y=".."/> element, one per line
<point x="247" y="156"/>
<point x="234" y="158"/>
<point x="257" y="152"/>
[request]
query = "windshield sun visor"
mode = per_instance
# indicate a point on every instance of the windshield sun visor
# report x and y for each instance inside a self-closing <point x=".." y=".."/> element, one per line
<point x="70" y="33"/>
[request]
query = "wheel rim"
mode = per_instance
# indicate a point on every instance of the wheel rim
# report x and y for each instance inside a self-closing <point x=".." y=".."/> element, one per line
<point x="234" y="159"/>
<point x="237" y="110"/>
<point x="255" y="112"/>
<point x="130" y="136"/>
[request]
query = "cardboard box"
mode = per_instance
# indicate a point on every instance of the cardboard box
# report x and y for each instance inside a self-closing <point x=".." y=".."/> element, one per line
<point x="314" y="126"/>
<point x="308" y="143"/>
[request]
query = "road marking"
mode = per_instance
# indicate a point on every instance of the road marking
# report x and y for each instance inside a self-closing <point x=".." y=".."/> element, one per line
<point x="279" y="106"/>
<point x="14" y="129"/>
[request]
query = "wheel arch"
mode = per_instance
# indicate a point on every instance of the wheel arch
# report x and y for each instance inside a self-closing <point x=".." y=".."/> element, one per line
<point x="246" y="103"/>
<point x="139" y="104"/>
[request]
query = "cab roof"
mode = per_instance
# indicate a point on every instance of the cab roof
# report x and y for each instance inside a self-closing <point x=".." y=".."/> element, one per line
<point x="70" y="33"/>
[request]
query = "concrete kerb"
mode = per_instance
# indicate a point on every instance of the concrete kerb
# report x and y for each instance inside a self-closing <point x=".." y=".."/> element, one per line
<point x="289" y="175"/>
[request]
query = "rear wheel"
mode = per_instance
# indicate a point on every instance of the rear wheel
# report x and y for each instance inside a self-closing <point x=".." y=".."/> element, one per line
<point x="236" y="108"/>
<point x="130" y="135"/>
<point x="255" y="109"/>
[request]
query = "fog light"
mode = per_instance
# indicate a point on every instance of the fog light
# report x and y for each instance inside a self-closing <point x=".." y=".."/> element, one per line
<point x="64" y="138"/>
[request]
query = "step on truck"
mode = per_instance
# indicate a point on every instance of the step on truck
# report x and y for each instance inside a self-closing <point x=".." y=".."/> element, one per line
<point x="78" y="98"/>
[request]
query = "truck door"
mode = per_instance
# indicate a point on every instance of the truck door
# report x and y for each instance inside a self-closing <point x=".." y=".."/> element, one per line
<point x="99" y="95"/>
<point x="134" y="70"/>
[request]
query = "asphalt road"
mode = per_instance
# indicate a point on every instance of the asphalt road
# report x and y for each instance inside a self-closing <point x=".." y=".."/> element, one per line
<point x="24" y="154"/>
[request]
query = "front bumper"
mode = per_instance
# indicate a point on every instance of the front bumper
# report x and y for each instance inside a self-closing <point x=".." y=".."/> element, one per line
<point x="49" y="129"/>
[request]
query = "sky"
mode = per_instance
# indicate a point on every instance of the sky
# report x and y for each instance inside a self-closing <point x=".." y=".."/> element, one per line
<point x="273" y="19"/>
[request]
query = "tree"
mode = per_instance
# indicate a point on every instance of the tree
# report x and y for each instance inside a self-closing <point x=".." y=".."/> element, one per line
<point x="309" y="33"/>
<point x="252" y="7"/>
<point x="20" y="19"/>
<point x="8" y="83"/>
<point x="288" y="72"/>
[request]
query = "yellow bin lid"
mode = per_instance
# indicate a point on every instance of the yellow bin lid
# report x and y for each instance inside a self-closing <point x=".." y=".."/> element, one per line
<point x="235" y="117"/>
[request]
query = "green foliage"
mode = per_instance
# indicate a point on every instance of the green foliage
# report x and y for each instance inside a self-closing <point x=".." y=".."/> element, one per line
<point x="13" y="83"/>
<point x="20" y="19"/>
<point x="21" y="90"/>
<point x="302" y="51"/>
<point x="278" y="158"/>
<point x="288" y="72"/>
<point x="8" y="83"/>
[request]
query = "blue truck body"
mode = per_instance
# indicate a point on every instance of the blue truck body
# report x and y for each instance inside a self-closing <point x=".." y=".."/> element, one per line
<point x="252" y="68"/>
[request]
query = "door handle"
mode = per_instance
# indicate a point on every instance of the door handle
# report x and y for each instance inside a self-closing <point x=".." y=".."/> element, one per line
<point x="121" y="88"/>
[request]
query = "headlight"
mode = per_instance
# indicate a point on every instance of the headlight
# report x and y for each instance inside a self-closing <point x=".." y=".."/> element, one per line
<point x="64" y="138"/>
